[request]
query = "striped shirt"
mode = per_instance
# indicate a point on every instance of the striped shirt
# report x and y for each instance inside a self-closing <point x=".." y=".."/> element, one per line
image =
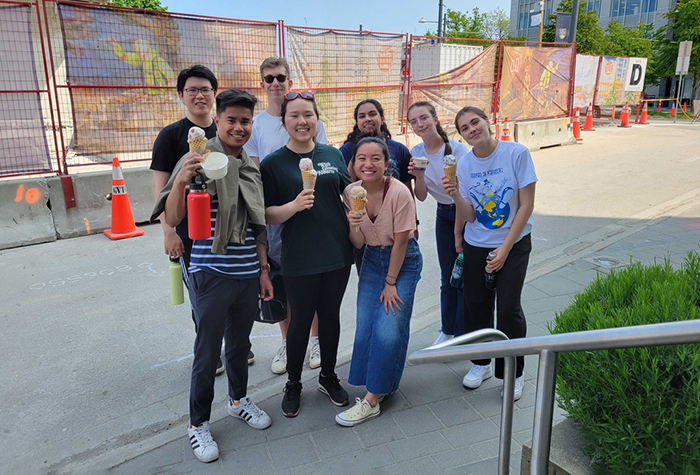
<point x="239" y="262"/>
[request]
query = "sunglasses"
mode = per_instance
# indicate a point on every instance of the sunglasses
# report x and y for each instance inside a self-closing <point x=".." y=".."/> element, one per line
<point x="270" y="78"/>
<point x="290" y="96"/>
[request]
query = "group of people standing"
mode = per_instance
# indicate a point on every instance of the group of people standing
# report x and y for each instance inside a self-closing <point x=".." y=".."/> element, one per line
<point x="262" y="216"/>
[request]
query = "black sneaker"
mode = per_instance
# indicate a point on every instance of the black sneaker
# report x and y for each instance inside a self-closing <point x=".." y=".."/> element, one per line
<point x="220" y="367"/>
<point x="330" y="386"/>
<point x="251" y="357"/>
<point x="291" y="399"/>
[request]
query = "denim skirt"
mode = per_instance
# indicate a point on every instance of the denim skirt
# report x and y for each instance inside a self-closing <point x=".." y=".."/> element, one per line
<point x="381" y="339"/>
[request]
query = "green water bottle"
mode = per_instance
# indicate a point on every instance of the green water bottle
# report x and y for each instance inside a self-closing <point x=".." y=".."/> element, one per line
<point x="177" y="296"/>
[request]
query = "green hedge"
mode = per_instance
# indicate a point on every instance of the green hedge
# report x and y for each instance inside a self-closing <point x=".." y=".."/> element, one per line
<point x="638" y="408"/>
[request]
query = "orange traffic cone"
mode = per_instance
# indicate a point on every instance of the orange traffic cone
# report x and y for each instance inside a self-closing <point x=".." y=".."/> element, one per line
<point x="506" y="131"/>
<point x="684" y="111"/>
<point x="613" y="113"/>
<point x="577" y="125"/>
<point x="673" y="109"/>
<point x="123" y="225"/>
<point x="625" y="116"/>
<point x="588" y="125"/>
<point x="659" y="106"/>
<point x="643" y="118"/>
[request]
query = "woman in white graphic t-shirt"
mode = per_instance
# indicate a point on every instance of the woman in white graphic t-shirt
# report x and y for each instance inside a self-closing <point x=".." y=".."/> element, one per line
<point x="494" y="195"/>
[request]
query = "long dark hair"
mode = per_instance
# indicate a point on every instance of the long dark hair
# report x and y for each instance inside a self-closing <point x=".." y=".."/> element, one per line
<point x="438" y="127"/>
<point x="357" y="134"/>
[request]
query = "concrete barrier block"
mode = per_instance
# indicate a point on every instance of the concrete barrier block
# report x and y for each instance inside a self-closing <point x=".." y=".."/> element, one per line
<point x="536" y="134"/>
<point x="93" y="212"/>
<point x="26" y="218"/>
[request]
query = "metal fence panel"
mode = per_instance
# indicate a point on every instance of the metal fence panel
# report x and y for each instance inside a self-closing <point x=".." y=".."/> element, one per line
<point x="344" y="67"/>
<point x="24" y="146"/>
<point x="120" y="68"/>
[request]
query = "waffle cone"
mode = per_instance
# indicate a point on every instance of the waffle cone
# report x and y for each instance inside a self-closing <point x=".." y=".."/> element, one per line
<point x="451" y="172"/>
<point x="309" y="179"/>
<point x="358" y="204"/>
<point x="198" y="145"/>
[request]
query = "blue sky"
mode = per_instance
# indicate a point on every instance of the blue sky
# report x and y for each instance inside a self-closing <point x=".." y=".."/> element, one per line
<point x="390" y="16"/>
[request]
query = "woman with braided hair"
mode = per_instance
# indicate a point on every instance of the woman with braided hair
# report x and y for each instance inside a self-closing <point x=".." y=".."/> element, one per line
<point x="436" y="145"/>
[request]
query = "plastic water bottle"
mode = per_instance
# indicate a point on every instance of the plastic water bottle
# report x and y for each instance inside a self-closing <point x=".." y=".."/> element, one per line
<point x="177" y="296"/>
<point x="456" y="277"/>
<point x="489" y="275"/>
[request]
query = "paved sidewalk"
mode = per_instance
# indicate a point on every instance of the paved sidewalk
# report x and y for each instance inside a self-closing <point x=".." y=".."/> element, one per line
<point x="432" y="424"/>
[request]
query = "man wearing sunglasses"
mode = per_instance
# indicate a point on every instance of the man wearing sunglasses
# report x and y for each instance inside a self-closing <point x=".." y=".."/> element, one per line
<point x="196" y="87"/>
<point x="269" y="135"/>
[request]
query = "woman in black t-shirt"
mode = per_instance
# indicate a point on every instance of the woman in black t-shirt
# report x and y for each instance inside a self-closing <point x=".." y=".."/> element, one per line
<point x="316" y="251"/>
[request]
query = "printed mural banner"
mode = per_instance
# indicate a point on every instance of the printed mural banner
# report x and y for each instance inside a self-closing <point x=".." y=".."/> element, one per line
<point x="584" y="79"/>
<point x="122" y="68"/>
<point x="23" y="144"/>
<point x="611" y="82"/>
<point x="341" y="69"/>
<point x="535" y="82"/>
<point x="470" y="84"/>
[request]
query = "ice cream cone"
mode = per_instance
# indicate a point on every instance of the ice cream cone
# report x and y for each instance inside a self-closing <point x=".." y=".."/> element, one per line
<point x="198" y="145"/>
<point x="309" y="179"/>
<point x="451" y="172"/>
<point x="358" y="204"/>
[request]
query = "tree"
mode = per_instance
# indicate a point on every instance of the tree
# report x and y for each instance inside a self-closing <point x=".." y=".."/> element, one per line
<point x="145" y="4"/>
<point x="497" y="24"/>
<point x="684" y="25"/>
<point x="590" y="37"/>
<point x="462" y="25"/>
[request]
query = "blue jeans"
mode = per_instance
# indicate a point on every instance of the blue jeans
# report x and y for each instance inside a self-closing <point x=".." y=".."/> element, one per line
<point x="450" y="298"/>
<point x="381" y="340"/>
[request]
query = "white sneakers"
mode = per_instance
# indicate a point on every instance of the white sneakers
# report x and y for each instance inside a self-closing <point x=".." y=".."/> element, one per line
<point x="315" y="354"/>
<point x="246" y="410"/>
<point x="203" y="445"/>
<point x="360" y="412"/>
<point x="442" y="337"/>
<point x="279" y="362"/>
<point x="519" y="384"/>
<point x="477" y="375"/>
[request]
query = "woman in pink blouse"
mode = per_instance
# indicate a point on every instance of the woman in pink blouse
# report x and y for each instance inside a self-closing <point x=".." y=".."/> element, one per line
<point x="390" y="270"/>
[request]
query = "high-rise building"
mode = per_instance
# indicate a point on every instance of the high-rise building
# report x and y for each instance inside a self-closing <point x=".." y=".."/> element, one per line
<point x="627" y="12"/>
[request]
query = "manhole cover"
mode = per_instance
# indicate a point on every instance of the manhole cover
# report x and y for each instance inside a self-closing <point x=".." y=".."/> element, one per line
<point x="606" y="261"/>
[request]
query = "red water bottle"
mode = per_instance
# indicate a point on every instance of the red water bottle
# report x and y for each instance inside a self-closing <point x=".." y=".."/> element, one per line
<point x="198" y="211"/>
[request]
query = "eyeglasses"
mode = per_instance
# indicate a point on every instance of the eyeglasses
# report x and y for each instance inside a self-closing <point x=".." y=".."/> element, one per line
<point x="290" y="96"/>
<point x="193" y="91"/>
<point x="280" y="78"/>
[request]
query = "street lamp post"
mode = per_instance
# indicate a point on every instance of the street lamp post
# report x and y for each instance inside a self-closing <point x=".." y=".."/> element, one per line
<point x="442" y="30"/>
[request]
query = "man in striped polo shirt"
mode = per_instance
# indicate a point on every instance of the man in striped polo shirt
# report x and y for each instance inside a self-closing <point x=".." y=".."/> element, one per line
<point x="227" y="271"/>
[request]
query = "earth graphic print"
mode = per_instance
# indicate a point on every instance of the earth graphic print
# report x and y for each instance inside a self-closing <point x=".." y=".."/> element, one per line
<point x="492" y="203"/>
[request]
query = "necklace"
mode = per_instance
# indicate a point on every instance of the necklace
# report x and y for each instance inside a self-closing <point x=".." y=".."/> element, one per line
<point x="313" y="152"/>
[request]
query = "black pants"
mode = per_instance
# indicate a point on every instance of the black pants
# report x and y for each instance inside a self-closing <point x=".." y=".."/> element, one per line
<point x="479" y="301"/>
<point x="309" y="294"/>
<point x="223" y="308"/>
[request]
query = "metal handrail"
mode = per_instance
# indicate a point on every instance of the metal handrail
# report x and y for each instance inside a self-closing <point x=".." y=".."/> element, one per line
<point x="548" y="347"/>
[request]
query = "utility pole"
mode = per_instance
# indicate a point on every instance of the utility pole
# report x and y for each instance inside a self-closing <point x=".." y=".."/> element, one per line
<point x="439" y="33"/>
<point x="539" y="29"/>
<point x="574" y="21"/>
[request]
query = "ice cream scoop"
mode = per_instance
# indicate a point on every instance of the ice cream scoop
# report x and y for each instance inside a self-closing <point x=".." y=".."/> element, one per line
<point x="305" y="164"/>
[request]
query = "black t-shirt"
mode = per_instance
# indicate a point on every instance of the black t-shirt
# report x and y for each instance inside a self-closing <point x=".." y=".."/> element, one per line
<point x="314" y="240"/>
<point x="169" y="147"/>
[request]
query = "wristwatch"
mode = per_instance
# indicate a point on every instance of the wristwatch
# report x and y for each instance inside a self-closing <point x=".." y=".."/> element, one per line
<point x="265" y="267"/>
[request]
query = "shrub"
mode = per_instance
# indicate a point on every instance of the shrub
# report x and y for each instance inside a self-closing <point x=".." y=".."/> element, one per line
<point x="638" y="408"/>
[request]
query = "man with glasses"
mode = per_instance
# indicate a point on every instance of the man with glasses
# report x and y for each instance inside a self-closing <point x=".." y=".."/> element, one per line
<point x="269" y="135"/>
<point x="196" y="87"/>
